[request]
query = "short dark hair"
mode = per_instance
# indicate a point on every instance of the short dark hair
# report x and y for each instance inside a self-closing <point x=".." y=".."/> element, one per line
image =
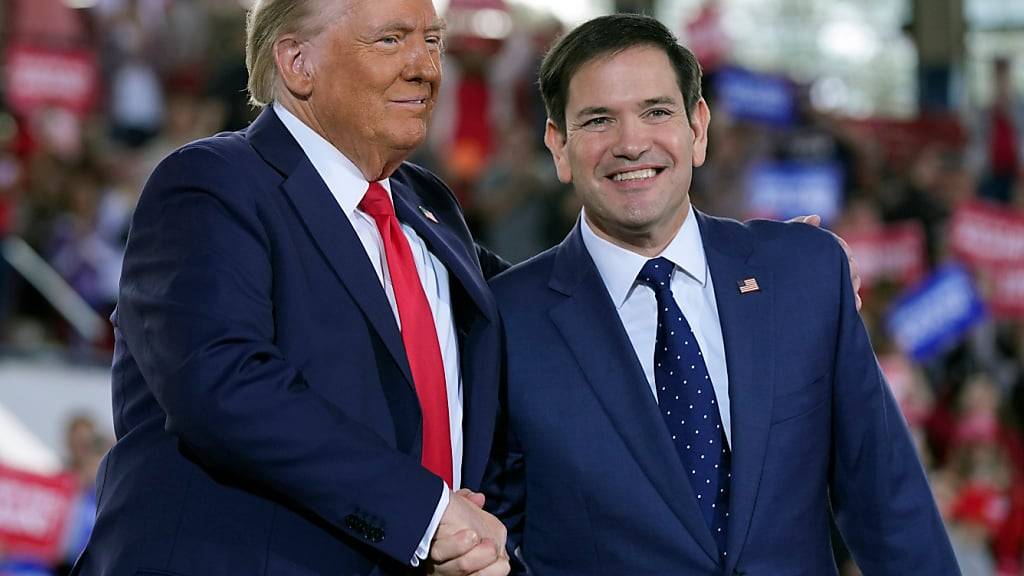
<point x="608" y="35"/>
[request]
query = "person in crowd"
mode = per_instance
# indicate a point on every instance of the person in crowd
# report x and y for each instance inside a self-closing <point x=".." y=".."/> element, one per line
<point x="85" y="448"/>
<point x="999" y="137"/>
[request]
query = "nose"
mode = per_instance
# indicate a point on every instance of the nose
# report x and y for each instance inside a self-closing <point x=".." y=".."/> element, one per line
<point x="632" y="139"/>
<point x="424" y="62"/>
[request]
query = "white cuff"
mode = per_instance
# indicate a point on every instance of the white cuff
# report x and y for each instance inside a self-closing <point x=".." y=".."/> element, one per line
<point x="424" y="548"/>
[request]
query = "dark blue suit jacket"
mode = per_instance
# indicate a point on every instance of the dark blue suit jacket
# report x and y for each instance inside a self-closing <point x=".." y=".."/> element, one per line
<point x="585" y="475"/>
<point x="265" y="414"/>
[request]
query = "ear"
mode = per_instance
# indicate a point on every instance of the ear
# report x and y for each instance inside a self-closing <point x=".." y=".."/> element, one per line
<point x="700" y="120"/>
<point x="556" y="142"/>
<point x="294" y="65"/>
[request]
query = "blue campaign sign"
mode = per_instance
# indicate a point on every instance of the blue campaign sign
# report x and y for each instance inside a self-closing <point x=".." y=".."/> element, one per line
<point x="755" y="97"/>
<point x="936" y="314"/>
<point x="782" y="190"/>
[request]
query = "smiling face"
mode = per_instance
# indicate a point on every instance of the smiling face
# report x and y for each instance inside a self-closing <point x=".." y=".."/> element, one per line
<point x="629" y="148"/>
<point x="373" y="75"/>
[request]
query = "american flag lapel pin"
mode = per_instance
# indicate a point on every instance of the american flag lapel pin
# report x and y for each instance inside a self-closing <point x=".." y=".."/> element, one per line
<point x="749" y="285"/>
<point x="428" y="214"/>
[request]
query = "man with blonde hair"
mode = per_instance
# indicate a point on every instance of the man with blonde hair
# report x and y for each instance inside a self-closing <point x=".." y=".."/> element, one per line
<point x="305" y="373"/>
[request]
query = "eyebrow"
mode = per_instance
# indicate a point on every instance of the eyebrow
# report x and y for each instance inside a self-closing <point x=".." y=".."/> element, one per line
<point x="598" y="110"/>
<point x="438" y="25"/>
<point x="660" y="100"/>
<point x="592" y="111"/>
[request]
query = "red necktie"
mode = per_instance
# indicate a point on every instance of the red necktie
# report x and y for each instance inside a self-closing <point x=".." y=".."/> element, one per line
<point x="419" y="334"/>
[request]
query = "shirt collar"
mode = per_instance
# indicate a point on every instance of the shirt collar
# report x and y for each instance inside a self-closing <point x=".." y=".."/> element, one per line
<point x="619" y="267"/>
<point x="344" y="180"/>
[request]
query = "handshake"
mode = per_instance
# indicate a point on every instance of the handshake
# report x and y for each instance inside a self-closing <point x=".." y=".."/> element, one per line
<point x="468" y="541"/>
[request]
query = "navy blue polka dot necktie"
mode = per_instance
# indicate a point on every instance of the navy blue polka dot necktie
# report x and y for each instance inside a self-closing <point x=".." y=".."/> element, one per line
<point x="687" y="402"/>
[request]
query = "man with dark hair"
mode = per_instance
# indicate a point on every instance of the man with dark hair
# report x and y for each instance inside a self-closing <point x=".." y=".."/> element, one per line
<point x="685" y="394"/>
<point x="559" y="66"/>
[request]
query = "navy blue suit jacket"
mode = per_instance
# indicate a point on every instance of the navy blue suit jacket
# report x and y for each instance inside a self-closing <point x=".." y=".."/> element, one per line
<point x="265" y="415"/>
<point x="587" y="479"/>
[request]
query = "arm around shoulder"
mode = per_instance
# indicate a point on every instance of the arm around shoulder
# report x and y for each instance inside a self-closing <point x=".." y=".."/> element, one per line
<point x="880" y="494"/>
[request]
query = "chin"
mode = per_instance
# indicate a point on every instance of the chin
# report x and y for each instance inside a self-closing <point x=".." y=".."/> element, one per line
<point x="408" y="139"/>
<point x="640" y="213"/>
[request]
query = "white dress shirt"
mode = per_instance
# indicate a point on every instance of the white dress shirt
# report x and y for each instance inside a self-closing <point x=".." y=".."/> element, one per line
<point x="638" y="309"/>
<point x="348" y="186"/>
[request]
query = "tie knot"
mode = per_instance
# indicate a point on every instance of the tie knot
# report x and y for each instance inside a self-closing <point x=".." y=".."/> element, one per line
<point x="376" y="202"/>
<point x="656" y="273"/>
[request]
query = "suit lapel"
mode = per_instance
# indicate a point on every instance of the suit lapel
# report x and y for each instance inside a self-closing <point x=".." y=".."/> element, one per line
<point x="746" y="321"/>
<point x="590" y="325"/>
<point x="458" y="258"/>
<point x="330" y="229"/>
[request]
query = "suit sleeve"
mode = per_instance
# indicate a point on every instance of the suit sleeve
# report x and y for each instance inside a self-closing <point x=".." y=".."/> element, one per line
<point x="880" y="495"/>
<point x="196" y="310"/>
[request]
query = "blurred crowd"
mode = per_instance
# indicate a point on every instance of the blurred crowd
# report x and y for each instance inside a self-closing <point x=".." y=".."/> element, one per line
<point x="173" y="71"/>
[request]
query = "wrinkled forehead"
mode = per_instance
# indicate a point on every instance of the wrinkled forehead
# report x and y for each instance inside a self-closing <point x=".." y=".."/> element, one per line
<point x="376" y="14"/>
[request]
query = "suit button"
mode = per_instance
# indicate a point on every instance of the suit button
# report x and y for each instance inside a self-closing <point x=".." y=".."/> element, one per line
<point x="353" y="522"/>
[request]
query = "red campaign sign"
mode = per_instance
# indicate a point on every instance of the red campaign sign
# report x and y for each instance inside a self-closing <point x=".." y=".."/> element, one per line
<point x="1006" y="296"/>
<point x="902" y="139"/>
<point x="41" y="77"/>
<point x="34" y="511"/>
<point x="986" y="235"/>
<point x="895" y="253"/>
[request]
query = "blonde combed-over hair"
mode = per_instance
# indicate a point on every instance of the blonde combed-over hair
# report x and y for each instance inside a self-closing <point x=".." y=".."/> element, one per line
<point x="267" y="21"/>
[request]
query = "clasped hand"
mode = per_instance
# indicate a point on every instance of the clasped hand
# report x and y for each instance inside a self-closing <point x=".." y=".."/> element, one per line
<point x="468" y="541"/>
